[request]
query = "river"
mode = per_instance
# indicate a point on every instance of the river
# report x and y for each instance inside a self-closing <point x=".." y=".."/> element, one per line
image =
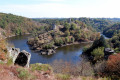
<point x="70" y="53"/>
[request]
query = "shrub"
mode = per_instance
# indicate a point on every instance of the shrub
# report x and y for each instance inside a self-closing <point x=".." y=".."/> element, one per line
<point x="117" y="50"/>
<point x="58" y="41"/>
<point x="98" y="53"/>
<point x="24" y="74"/>
<point x="10" y="61"/>
<point x="66" y="26"/>
<point x="73" y="26"/>
<point x="40" y="67"/>
<point x="77" y="36"/>
<point x="113" y="65"/>
<point x="48" y="46"/>
<point x="79" y="69"/>
<point x="96" y="44"/>
<point x="18" y="31"/>
<point x="62" y="76"/>
<point x="99" y="68"/>
<point x="85" y="49"/>
<point x="67" y="33"/>
<point x="36" y="39"/>
<point x="67" y="39"/>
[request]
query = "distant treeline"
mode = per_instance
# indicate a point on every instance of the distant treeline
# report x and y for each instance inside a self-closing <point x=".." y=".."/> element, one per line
<point x="98" y="23"/>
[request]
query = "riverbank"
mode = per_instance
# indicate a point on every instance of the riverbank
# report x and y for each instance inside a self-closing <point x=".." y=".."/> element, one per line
<point x="74" y="43"/>
<point x="17" y="35"/>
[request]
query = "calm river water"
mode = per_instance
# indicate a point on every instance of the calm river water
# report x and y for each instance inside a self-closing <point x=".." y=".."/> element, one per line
<point x="69" y="53"/>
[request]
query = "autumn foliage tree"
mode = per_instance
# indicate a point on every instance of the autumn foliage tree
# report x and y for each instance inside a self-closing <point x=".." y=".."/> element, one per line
<point x="113" y="64"/>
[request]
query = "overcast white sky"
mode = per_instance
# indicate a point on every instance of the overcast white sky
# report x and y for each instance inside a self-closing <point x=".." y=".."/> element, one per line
<point x="62" y="8"/>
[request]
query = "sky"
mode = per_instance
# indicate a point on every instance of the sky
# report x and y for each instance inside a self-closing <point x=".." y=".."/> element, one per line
<point x="62" y="8"/>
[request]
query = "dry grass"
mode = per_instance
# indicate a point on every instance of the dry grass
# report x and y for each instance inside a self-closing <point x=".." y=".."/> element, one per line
<point x="80" y="69"/>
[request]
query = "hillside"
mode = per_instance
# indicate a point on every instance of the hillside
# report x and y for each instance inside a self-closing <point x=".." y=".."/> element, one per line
<point x="97" y="23"/>
<point x="52" y="33"/>
<point x="11" y="25"/>
<point x="114" y="33"/>
<point x="112" y="30"/>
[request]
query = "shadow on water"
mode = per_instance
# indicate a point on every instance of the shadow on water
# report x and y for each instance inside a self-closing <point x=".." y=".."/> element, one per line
<point x="69" y="53"/>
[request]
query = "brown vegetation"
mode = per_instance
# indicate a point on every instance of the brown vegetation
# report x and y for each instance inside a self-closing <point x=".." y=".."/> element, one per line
<point x="3" y="50"/>
<point x="79" y="69"/>
<point x="21" y="73"/>
<point x="113" y="65"/>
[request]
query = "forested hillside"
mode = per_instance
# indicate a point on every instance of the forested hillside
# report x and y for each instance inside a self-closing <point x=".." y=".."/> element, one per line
<point x="63" y="32"/>
<point x="16" y="25"/>
<point x="112" y="30"/>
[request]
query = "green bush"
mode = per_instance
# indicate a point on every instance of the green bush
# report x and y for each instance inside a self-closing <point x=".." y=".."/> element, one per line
<point x="73" y="26"/>
<point x="36" y="39"/>
<point x="24" y="74"/>
<point x="117" y="50"/>
<point x="77" y="36"/>
<point x="101" y="42"/>
<point x="85" y="49"/>
<point x="62" y="76"/>
<point x="48" y="46"/>
<point x="40" y="67"/>
<point x="58" y="41"/>
<point x="66" y="26"/>
<point x="98" y="53"/>
<point x="67" y="33"/>
<point x="18" y="31"/>
<point x="67" y="39"/>
<point x="10" y="61"/>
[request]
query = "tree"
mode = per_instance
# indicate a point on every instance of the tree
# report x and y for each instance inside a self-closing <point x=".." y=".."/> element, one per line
<point x="100" y="43"/>
<point x="18" y="31"/>
<point x="77" y="36"/>
<point x="67" y="40"/>
<point x="58" y="41"/>
<point x="67" y="33"/>
<point x="66" y="26"/>
<point x="113" y="66"/>
<point x="73" y="26"/>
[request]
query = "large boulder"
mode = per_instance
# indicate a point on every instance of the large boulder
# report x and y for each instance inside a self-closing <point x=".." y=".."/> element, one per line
<point x="13" y="53"/>
<point x="107" y="52"/>
<point x="20" y="58"/>
<point x="47" y="52"/>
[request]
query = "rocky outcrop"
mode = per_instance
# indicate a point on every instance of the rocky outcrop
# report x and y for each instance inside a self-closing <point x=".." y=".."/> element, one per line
<point x="20" y="58"/>
<point x="39" y="43"/>
<point x="108" y="52"/>
<point x="47" y="52"/>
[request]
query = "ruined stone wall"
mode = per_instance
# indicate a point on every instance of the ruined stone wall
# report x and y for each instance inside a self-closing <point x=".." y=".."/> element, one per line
<point x="19" y="58"/>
